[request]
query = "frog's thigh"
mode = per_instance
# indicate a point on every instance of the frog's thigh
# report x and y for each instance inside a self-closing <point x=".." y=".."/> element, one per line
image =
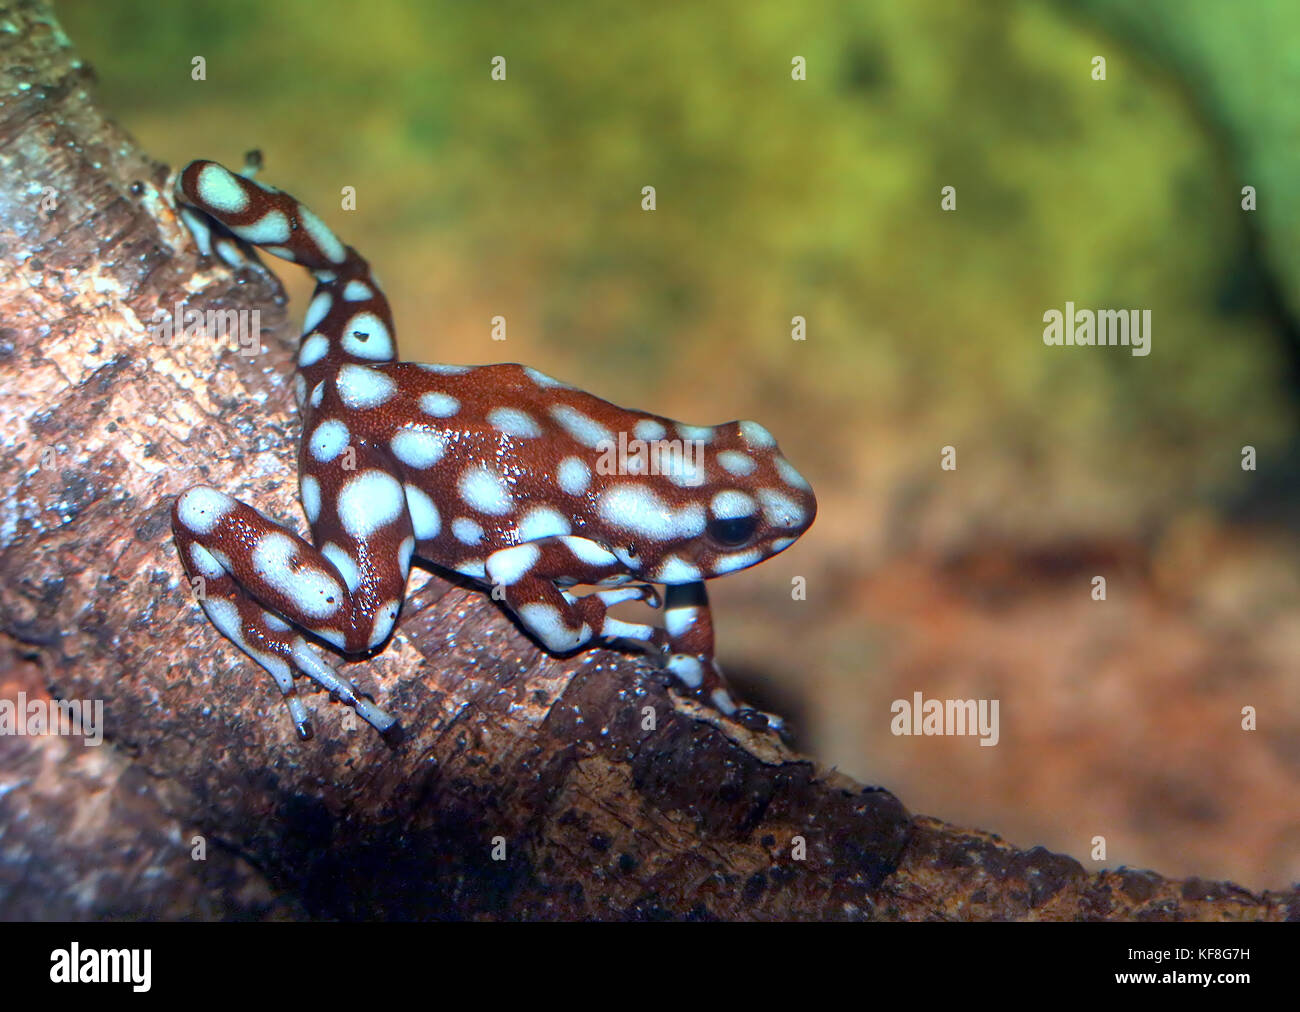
<point x="528" y="576"/>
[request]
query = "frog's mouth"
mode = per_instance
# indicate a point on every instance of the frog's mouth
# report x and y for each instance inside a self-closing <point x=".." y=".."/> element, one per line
<point x="731" y="562"/>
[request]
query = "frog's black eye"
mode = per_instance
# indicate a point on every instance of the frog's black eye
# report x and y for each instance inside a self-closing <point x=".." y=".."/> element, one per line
<point x="733" y="532"/>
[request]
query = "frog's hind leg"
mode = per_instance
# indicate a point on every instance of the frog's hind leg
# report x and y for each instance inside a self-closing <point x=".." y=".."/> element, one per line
<point x="263" y="585"/>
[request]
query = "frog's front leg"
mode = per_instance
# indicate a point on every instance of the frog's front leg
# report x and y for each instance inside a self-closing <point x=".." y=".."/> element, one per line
<point x="687" y="642"/>
<point x="531" y="577"/>
<point x="256" y="575"/>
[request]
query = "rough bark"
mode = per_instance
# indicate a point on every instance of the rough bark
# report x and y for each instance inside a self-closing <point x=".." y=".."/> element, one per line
<point x="599" y="816"/>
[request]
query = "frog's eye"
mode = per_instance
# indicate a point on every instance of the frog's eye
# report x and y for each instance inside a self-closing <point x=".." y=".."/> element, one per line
<point x="732" y="532"/>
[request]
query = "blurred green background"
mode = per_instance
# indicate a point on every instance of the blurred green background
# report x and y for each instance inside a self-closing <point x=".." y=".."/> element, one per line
<point x="821" y="198"/>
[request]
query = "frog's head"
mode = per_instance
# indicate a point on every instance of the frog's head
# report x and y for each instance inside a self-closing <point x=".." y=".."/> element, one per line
<point x="727" y="500"/>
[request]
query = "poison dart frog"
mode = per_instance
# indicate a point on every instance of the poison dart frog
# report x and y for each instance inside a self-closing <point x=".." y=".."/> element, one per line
<point x="496" y="472"/>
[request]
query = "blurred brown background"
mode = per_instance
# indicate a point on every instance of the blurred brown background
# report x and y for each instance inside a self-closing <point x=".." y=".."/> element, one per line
<point x="821" y="198"/>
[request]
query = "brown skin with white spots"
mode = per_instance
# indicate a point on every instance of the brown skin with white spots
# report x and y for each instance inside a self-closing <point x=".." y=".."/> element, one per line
<point x="497" y="472"/>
